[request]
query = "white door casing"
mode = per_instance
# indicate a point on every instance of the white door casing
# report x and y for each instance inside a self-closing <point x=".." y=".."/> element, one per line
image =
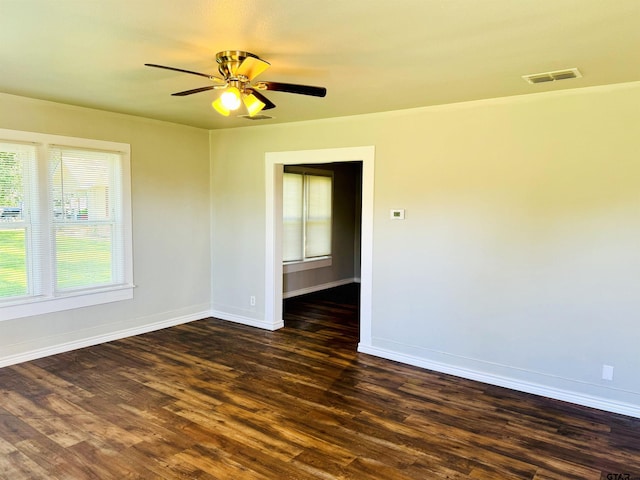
<point x="274" y="165"/>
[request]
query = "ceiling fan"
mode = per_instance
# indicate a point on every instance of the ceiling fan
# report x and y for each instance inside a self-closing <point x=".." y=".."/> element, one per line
<point x="238" y="69"/>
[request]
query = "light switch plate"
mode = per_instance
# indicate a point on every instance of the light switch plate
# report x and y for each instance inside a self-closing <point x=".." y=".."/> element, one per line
<point x="397" y="214"/>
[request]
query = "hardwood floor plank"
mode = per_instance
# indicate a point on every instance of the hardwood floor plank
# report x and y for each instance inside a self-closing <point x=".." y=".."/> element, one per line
<point x="218" y="466"/>
<point x="53" y="459"/>
<point x="45" y="422"/>
<point x="40" y="376"/>
<point x="18" y="466"/>
<point x="6" y="447"/>
<point x="215" y="400"/>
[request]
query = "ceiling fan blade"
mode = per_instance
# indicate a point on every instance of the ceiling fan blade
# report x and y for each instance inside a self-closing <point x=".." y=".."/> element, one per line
<point x="292" y="88"/>
<point x="251" y="67"/>
<point x="195" y="90"/>
<point x="210" y="77"/>
<point x="268" y="104"/>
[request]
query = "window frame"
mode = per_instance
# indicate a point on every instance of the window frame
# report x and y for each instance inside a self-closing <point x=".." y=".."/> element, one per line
<point x="47" y="299"/>
<point x="309" y="263"/>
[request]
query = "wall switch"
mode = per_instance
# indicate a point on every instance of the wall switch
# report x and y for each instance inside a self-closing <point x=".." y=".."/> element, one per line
<point x="607" y="372"/>
<point x="252" y="301"/>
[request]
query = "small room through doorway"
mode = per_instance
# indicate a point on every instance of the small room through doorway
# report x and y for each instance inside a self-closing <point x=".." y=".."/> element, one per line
<point x="334" y="268"/>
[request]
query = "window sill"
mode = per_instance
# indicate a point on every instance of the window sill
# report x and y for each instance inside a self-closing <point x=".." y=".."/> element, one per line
<point x="41" y="305"/>
<point x="291" y="267"/>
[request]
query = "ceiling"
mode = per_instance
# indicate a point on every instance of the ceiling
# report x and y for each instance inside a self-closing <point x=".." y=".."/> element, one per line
<point x="371" y="55"/>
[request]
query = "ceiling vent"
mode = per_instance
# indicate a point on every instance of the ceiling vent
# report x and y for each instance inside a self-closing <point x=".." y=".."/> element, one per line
<point x="553" y="76"/>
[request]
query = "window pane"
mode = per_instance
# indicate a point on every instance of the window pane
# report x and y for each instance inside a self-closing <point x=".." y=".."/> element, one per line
<point x="12" y="181"/>
<point x="292" y="208"/>
<point x="13" y="263"/>
<point x="83" y="193"/>
<point x="16" y="163"/>
<point x="81" y="184"/>
<point x="318" y="235"/>
<point x="83" y="256"/>
<point x="11" y="192"/>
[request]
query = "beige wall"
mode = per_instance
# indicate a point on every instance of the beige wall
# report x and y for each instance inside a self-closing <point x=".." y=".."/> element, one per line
<point x="518" y="261"/>
<point x="170" y="201"/>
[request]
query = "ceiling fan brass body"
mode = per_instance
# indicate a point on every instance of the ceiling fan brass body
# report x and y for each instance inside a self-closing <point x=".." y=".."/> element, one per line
<point x="230" y="61"/>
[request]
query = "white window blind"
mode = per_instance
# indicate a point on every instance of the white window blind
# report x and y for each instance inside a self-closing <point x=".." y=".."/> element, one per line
<point x="87" y="237"/>
<point x="307" y="205"/>
<point x="292" y="223"/>
<point x="17" y="202"/>
<point x="318" y="216"/>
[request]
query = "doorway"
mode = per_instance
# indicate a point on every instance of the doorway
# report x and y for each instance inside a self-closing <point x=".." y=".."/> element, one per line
<point x="274" y="165"/>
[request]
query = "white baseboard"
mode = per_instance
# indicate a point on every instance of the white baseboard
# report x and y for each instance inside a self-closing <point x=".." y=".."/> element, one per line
<point x="506" y="382"/>
<point x="317" y="288"/>
<point x="501" y="381"/>
<point x="63" y="347"/>
<point x="251" y="322"/>
<point x="97" y="339"/>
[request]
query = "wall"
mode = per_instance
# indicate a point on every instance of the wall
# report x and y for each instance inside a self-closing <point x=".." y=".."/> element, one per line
<point x="345" y="236"/>
<point x="518" y="262"/>
<point x="171" y="224"/>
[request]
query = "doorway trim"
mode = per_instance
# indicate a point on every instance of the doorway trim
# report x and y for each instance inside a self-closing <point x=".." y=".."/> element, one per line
<point x="274" y="166"/>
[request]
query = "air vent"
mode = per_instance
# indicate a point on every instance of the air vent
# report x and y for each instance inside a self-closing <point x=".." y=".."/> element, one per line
<point x="256" y="117"/>
<point x="553" y="76"/>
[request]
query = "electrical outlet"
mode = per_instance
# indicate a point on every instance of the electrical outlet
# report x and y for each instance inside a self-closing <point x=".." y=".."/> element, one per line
<point x="252" y="301"/>
<point x="607" y="372"/>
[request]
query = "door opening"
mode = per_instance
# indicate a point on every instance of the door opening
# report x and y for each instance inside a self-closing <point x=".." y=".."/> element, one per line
<point x="275" y="162"/>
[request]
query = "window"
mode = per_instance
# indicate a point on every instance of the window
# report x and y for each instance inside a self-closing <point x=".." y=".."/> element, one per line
<point x="65" y="236"/>
<point x="307" y="204"/>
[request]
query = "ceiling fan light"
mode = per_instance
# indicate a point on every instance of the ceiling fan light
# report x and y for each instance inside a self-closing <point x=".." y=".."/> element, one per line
<point x="230" y="98"/>
<point x="253" y="104"/>
<point x="219" y="107"/>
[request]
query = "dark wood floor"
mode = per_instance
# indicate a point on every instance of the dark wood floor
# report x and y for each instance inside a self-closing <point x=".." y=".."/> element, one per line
<point x="216" y="400"/>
